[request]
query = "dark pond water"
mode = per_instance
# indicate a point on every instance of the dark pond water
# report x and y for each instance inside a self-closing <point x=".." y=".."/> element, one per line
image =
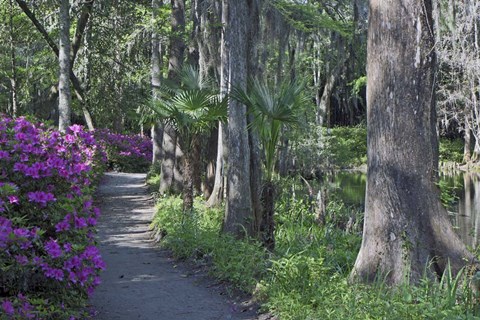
<point x="461" y="191"/>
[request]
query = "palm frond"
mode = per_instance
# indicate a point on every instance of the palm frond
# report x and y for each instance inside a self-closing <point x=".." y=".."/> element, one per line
<point x="272" y="108"/>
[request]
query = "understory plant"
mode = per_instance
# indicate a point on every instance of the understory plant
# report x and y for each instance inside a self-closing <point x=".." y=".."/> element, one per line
<point x="192" y="108"/>
<point x="273" y="109"/>
<point x="306" y="276"/>
<point x="48" y="259"/>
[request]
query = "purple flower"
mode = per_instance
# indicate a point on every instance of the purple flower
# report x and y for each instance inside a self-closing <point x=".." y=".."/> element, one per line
<point x="70" y="138"/>
<point x="53" y="249"/>
<point x="62" y="226"/>
<point x="7" y="306"/>
<point x="21" y="259"/>
<point x="92" y="221"/>
<point x="87" y="204"/>
<point x="53" y="273"/>
<point x="67" y="247"/>
<point x="25" y="245"/>
<point x="76" y="128"/>
<point x="80" y="222"/>
<point x="5" y="229"/>
<point x="4" y="155"/>
<point x="21" y="233"/>
<point x="73" y="263"/>
<point x="13" y="199"/>
<point x="41" y="197"/>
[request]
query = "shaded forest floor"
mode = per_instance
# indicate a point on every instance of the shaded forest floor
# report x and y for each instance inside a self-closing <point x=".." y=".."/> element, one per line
<point x="142" y="281"/>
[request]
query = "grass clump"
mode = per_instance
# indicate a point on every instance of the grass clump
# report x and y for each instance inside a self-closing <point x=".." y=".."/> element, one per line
<point x="197" y="236"/>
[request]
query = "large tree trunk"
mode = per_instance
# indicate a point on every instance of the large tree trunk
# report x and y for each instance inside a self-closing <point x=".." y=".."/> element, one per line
<point x="406" y="229"/>
<point x="177" y="46"/>
<point x="171" y="179"/>
<point x="64" y="97"/>
<point x="239" y="213"/>
<point x="253" y="71"/>
<point x="168" y="164"/>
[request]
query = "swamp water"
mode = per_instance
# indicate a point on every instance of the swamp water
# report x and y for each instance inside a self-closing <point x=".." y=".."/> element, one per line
<point x="461" y="191"/>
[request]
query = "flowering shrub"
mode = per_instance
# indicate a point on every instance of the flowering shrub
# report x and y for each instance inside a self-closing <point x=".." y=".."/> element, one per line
<point x="48" y="260"/>
<point x="126" y="153"/>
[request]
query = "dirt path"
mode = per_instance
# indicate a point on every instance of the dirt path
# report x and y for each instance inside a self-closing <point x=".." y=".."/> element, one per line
<point x="141" y="281"/>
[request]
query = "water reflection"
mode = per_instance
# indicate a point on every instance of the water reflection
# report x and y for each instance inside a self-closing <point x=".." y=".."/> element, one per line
<point x="466" y="213"/>
<point x="460" y="190"/>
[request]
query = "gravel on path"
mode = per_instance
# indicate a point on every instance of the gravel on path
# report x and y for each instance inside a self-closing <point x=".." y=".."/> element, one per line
<point x="141" y="280"/>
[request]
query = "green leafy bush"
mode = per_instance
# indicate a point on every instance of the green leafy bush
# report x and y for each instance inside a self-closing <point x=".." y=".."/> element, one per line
<point x="346" y="147"/>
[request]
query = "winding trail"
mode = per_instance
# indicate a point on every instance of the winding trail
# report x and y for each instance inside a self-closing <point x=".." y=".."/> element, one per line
<point x="141" y="280"/>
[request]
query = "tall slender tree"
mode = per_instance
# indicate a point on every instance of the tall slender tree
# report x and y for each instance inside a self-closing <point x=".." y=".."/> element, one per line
<point x="64" y="97"/>
<point x="156" y="75"/>
<point x="13" y="62"/>
<point x="222" y="154"/>
<point x="406" y="228"/>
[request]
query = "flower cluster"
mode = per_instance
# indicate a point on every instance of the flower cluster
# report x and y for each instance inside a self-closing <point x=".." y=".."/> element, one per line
<point x="47" y="219"/>
<point x="127" y="153"/>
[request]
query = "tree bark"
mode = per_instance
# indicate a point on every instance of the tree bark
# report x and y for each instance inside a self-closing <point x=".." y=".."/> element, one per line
<point x="168" y="163"/>
<point x="238" y="213"/>
<point x="177" y="45"/>
<point x="323" y="109"/>
<point x="222" y="159"/>
<point x="156" y="77"/>
<point x="216" y="195"/>
<point x="64" y="95"/>
<point x="188" y="181"/>
<point x="406" y="229"/>
<point x="13" y="64"/>
<point x="467" y="138"/>
<point x="157" y="139"/>
<point x="171" y="179"/>
<point x="210" y="155"/>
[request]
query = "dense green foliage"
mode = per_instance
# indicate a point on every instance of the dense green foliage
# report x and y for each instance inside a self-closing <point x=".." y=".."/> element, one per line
<point x="335" y="148"/>
<point x="306" y="277"/>
<point x="451" y="150"/>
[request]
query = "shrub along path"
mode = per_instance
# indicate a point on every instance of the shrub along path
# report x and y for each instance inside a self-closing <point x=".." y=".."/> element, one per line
<point x="141" y="280"/>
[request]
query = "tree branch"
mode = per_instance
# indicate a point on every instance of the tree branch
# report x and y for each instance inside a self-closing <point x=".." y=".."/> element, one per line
<point x="38" y="25"/>
<point x="80" y="30"/>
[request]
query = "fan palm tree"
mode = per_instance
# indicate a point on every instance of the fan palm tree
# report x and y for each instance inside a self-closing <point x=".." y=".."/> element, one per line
<point x="273" y="109"/>
<point x="192" y="108"/>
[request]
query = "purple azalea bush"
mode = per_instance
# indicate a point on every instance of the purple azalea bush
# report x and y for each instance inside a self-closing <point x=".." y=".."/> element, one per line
<point x="126" y="153"/>
<point x="49" y="263"/>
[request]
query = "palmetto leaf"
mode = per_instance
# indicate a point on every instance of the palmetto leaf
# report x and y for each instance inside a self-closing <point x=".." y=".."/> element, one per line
<point x="272" y="108"/>
<point x="191" y="107"/>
